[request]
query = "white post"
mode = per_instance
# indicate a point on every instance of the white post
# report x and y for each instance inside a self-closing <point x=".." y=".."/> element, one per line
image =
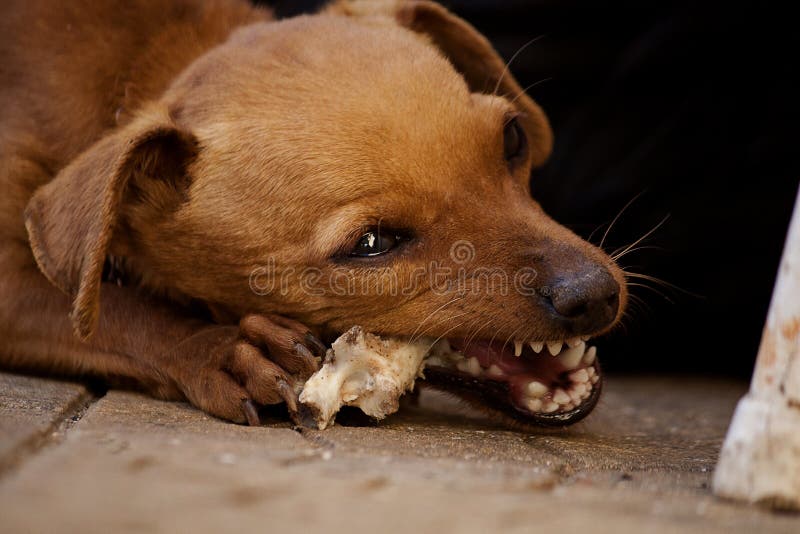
<point x="760" y="459"/>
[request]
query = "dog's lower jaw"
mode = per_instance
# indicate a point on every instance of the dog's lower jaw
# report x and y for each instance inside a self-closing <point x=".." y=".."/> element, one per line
<point x="494" y="397"/>
<point x="530" y="388"/>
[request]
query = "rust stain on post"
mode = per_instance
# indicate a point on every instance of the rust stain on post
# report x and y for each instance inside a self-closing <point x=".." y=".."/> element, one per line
<point x="791" y="328"/>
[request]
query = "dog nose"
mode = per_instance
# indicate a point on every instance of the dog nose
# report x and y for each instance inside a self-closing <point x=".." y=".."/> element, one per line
<point x="588" y="300"/>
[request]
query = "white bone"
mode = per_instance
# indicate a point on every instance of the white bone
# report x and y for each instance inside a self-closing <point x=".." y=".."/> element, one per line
<point x="363" y="370"/>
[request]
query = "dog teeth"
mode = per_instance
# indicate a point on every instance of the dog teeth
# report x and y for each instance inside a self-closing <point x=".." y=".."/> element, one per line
<point x="575" y="357"/>
<point x="534" y="405"/>
<point x="560" y="396"/>
<point x="496" y="371"/>
<point x="589" y="357"/>
<point x="593" y="377"/>
<point x="536" y="389"/>
<point x="434" y="361"/>
<point x="579" y="377"/>
<point x="571" y="357"/>
<point x="554" y="347"/>
<point x="471" y="366"/>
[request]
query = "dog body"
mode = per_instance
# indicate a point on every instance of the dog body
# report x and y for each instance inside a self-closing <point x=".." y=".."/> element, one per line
<point x="178" y="147"/>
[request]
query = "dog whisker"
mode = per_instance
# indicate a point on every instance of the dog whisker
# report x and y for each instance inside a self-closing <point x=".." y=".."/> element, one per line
<point x="473" y="329"/>
<point x="476" y="332"/>
<point x="510" y="337"/>
<point x="639" y="306"/>
<point x="440" y="322"/>
<point x="500" y="329"/>
<point x="531" y="86"/>
<point x="636" y="299"/>
<point x="619" y="253"/>
<point x="654" y="290"/>
<point x="508" y="64"/>
<point x="446" y="332"/>
<point x="660" y="282"/>
<point x="434" y="312"/>
<point x="645" y="236"/>
<point x="614" y="221"/>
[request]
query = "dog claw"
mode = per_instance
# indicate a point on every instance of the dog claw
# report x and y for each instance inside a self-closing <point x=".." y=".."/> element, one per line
<point x="317" y="345"/>
<point x="289" y="396"/>
<point x="251" y="412"/>
<point x="303" y="351"/>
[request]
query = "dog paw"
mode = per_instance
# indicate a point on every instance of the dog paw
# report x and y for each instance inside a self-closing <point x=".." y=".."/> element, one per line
<point x="229" y="371"/>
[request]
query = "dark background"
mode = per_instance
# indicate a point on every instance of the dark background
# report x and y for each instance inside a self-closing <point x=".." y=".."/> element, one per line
<point x="690" y="107"/>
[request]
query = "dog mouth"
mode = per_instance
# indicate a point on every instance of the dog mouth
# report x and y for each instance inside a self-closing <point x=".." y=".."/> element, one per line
<point x="552" y="383"/>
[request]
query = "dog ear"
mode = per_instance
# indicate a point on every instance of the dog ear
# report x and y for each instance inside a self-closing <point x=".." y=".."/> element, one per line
<point x="71" y="219"/>
<point x="469" y="52"/>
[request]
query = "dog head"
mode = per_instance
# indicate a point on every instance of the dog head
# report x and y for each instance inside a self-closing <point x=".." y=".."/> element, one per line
<point x="367" y="165"/>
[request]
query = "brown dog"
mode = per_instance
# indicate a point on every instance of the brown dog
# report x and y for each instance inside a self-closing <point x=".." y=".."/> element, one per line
<point x="193" y="152"/>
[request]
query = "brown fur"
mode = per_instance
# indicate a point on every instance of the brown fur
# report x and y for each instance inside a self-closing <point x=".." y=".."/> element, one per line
<point x="196" y="141"/>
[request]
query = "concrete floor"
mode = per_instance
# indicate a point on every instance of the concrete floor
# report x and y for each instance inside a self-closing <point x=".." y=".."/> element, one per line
<point x="74" y="462"/>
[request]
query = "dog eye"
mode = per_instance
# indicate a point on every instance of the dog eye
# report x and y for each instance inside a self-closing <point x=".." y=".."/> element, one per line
<point x="513" y="140"/>
<point x="374" y="243"/>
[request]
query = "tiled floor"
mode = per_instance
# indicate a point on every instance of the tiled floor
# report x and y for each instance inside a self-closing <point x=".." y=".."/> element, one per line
<point x="74" y="462"/>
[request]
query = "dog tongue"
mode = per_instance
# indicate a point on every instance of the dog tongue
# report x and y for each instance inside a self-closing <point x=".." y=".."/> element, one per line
<point x="543" y="367"/>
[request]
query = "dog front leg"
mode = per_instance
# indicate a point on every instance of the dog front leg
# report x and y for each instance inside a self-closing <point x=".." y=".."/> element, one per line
<point x="159" y="347"/>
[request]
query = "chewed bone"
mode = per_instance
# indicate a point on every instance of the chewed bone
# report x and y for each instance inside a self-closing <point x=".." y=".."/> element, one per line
<point x="362" y="370"/>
